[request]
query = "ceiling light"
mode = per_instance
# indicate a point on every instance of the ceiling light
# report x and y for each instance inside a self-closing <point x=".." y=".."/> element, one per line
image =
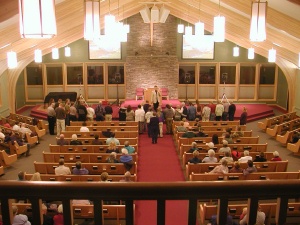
<point x="258" y="21"/>
<point x="236" y="51"/>
<point x="12" y="61"/>
<point x="219" y="28"/>
<point x="67" y="51"/>
<point x="38" y="56"/>
<point x="55" y="53"/>
<point x="163" y="14"/>
<point x="92" y="20"/>
<point x="272" y="55"/>
<point x="251" y="53"/>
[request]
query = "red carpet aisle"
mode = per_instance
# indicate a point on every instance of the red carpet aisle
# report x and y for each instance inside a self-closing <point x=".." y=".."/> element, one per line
<point x="159" y="163"/>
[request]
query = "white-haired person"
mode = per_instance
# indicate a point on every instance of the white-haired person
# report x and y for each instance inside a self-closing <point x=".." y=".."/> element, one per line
<point x="211" y="157"/>
<point x="59" y="217"/>
<point x="221" y="169"/>
<point x="47" y="220"/>
<point x="276" y="156"/>
<point x="246" y="157"/>
<point x="225" y="147"/>
<point x="126" y="159"/>
<point x="19" y="218"/>
<point x="75" y="141"/>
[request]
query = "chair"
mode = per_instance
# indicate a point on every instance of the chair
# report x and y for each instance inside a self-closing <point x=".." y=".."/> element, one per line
<point x="7" y="160"/>
<point x="165" y="93"/>
<point x="139" y="94"/>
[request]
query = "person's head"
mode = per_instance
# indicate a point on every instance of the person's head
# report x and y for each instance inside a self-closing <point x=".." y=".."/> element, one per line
<point x="61" y="136"/>
<point x="190" y="103"/>
<point x="228" y="130"/>
<point x="126" y="143"/>
<point x="155" y="88"/>
<point x="44" y="208"/>
<point x="225" y="143"/>
<point x="129" y="108"/>
<point x="168" y="106"/>
<point x="211" y="153"/>
<point x="74" y="137"/>
<point x="100" y="102"/>
<point x="23" y="125"/>
<point x="154" y="114"/>
<point x="127" y="175"/>
<point x="21" y="175"/>
<point x="227" y="135"/>
<point x="276" y="154"/>
<point x="250" y="163"/>
<point x="195" y="154"/>
<point x="224" y="163"/>
<point x="61" y="162"/>
<point x="14" y="210"/>
<point x="182" y="104"/>
<point x="36" y="177"/>
<point x="104" y="176"/>
<point x="215" y="138"/>
<point x="60" y="208"/>
<point x="194" y="144"/>
<point x="244" y="109"/>
<point x="96" y="136"/>
<point x="78" y="165"/>
<point x="227" y="154"/>
<point x="210" y="145"/>
<point x="112" y="145"/>
<point x="113" y="155"/>
<point x="184" y="119"/>
<point x="239" y="128"/>
<point x="139" y="106"/>
<point x="262" y="155"/>
<point x="236" y="165"/>
<point x="197" y="120"/>
<point x="124" y="151"/>
<point x="112" y="134"/>
<point x="246" y="153"/>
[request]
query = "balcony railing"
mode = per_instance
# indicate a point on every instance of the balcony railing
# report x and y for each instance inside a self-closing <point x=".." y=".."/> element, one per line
<point x="224" y="191"/>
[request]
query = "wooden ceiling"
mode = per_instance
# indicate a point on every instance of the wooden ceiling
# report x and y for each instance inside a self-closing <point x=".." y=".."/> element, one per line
<point x="283" y="31"/>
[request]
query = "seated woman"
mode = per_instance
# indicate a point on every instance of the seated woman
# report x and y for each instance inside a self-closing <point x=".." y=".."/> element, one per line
<point x="276" y="156"/>
<point x="228" y="138"/>
<point x="112" y="148"/>
<point x="211" y="157"/>
<point x="221" y="169"/>
<point x="227" y="157"/>
<point x="236" y="168"/>
<point x="112" y="158"/>
<point x="193" y="147"/>
<point x="195" y="158"/>
<point x="260" y="157"/>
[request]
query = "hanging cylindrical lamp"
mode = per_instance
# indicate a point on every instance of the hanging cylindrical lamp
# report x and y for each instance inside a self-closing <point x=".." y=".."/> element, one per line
<point x="219" y="28"/>
<point x="67" y="51"/>
<point x="12" y="61"/>
<point x="55" y="53"/>
<point x="199" y="29"/>
<point x="180" y="28"/>
<point x="272" y="55"/>
<point x="92" y="19"/>
<point x="236" y="51"/>
<point x="258" y="21"/>
<point x="38" y="56"/>
<point x="37" y="18"/>
<point x="188" y="31"/>
<point x="251" y="53"/>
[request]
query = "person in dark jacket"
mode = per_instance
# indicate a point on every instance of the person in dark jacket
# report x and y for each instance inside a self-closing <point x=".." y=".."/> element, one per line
<point x="231" y="111"/>
<point x="195" y="158"/>
<point x="243" y="119"/>
<point x="154" y="128"/>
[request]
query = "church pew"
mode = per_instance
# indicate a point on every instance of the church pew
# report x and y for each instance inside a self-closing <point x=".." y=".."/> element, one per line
<point x="215" y="128"/>
<point x="30" y="140"/>
<point x="19" y="150"/>
<point x="203" y="148"/>
<point x="93" y="168"/>
<point x="287" y="137"/>
<point x="91" y="134"/>
<point x="29" y="120"/>
<point x="210" y="123"/>
<point x="187" y="156"/>
<point x="104" y="128"/>
<point x="82" y="157"/>
<point x="273" y="166"/>
<point x="6" y="160"/>
<point x="242" y="140"/>
<point x="283" y="127"/>
<point x="269" y="122"/>
<point x="85" y="148"/>
<point x="82" y="178"/>
<point x="240" y="176"/>
<point x="88" y="141"/>
<point x="105" y="123"/>
<point x="294" y="147"/>
<point x="1" y="170"/>
<point x="235" y="210"/>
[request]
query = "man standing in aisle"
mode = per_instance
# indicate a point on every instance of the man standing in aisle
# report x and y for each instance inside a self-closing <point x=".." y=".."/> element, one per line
<point x="60" y="119"/>
<point x="155" y="98"/>
<point x="140" y="117"/>
<point x="169" y="114"/>
<point x="51" y="118"/>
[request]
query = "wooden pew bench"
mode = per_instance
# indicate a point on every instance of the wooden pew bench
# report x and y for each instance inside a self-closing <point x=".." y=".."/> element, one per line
<point x="93" y="168"/>
<point x="1" y="170"/>
<point x="282" y="128"/>
<point x="287" y="137"/>
<point x="85" y="148"/>
<point x="105" y="123"/>
<point x="30" y="140"/>
<point x="271" y="121"/>
<point x="294" y="147"/>
<point x="91" y="134"/>
<point x="214" y="128"/>
<point x="82" y="157"/>
<point x="103" y="128"/>
<point x="210" y="123"/>
<point x="41" y="124"/>
<point x="6" y="160"/>
<point x="88" y="141"/>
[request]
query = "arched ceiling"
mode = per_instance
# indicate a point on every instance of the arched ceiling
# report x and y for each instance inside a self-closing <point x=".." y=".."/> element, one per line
<point x="283" y="27"/>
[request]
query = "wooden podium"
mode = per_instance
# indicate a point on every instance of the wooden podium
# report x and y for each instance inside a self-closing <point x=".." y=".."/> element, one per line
<point x="147" y="94"/>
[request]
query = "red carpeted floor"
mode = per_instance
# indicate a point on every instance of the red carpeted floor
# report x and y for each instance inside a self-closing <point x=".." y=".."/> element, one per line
<point x="159" y="162"/>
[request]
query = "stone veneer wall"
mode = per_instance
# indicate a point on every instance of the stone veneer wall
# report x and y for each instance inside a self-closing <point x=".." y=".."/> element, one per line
<point x="148" y="65"/>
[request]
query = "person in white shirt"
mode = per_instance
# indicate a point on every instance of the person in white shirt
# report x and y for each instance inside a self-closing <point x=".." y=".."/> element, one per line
<point x="16" y="127"/>
<point x="90" y="113"/>
<point x="139" y="116"/>
<point x="206" y="113"/>
<point x="246" y="157"/>
<point x="260" y="218"/>
<point x="2" y="136"/>
<point x="225" y="147"/>
<point x="62" y="169"/>
<point x="219" y="111"/>
<point x="84" y="128"/>
<point x="211" y="157"/>
<point x="155" y="98"/>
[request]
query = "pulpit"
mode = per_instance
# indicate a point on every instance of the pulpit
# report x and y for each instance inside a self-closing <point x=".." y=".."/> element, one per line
<point x="147" y="94"/>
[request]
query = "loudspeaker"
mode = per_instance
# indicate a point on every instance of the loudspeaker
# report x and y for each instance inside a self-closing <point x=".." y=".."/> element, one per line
<point x="187" y="78"/>
<point x="163" y="14"/>
<point x="155" y="14"/>
<point x="145" y="13"/>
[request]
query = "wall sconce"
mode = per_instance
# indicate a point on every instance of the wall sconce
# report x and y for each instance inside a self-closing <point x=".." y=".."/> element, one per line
<point x="38" y="56"/>
<point x="55" y="53"/>
<point x="236" y="51"/>
<point x="251" y="53"/>
<point x="12" y="61"/>
<point x="92" y="19"/>
<point x="37" y="18"/>
<point x="272" y="55"/>
<point x="258" y="21"/>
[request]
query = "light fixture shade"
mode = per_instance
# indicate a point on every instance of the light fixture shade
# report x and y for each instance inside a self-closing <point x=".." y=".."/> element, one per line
<point x="188" y="31"/>
<point x="180" y="28"/>
<point x="67" y="51"/>
<point x="199" y="29"/>
<point x="12" y="61"/>
<point x="37" y="18"/>
<point x="55" y="53"/>
<point x="219" y="28"/>
<point x="163" y="14"/>
<point x="258" y="21"/>
<point x="155" y="14"/>
<point x="236" y="51"/>
<point x="38" y="56"/>
<point x="250" y="53"/>
<point x="92" y="20"/>
<point x="110" y="24"/>
<point x="272" y="55"/>
<point x="145" y="13"/>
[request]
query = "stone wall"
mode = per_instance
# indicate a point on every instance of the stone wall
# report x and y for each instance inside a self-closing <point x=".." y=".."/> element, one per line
<point x="148" y="65"/>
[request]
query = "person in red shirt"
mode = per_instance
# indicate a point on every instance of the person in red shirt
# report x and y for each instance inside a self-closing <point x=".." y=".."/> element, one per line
<point x="212" y="107"/>
<point x="276" y="157"/>
<point x="59" y="217"/>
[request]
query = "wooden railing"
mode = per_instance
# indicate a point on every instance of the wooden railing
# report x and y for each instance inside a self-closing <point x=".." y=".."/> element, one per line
<point x="191" y="191"/>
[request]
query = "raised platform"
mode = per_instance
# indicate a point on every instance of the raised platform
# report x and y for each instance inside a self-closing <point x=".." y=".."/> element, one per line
<point x="255" y="111"/>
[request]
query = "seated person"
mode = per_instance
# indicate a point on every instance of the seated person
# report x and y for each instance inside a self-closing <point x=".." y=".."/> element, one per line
<point x="189" y="134"/>
<point x="295" y="138"/>
<point x="112" y="148"/>
<point x="246" y="157"/>
<point x="260" y="218"/>
<point x="201" y="133"/>
<point x="19" y="218"/>
<point x="16" y="126"/>
<point x="236" y="168"/>
<point x="47" y="219"/>
<point x="260" y="157"/>
<point x="127" y="177"/>
<point x="193" y="147"/>
<point x="276" y="156"/>
<point x="197" y="123"/>
<point x="211" y="157"/>
<point x="84" y="128"/>
<point x="185" y="122"/>
<point x="215" y="139"/>
<point x="104" y="177"/>
<point x="7" y="125"/>
<point x="181" y="127"/>
<point x="74" y="140"/>
<point x="238" y="133"/>
<point x="228" y="131"/>
<point x="62" y="169"/>
<point x="112" y="158"/>
<point x="227" y="157"/>
<point x="225" y="147"/>
<point x="61" y="141"/>
<point x="195" y="158"/>
<point x="228" y="138"/>
<point x="112" y="138"/>
<point x="250" y="169"/>
<point x="126" y="159"/>
<point x="78" y="170"/>
<point x="220" y="169"/>
<point x="16" y="141"/>
<point x="229" y="221"/>
<point x="96" y="141"/>
<point x="236" y="155"/>
<point x="129" y="148"/>
<point x="23" y="129"/>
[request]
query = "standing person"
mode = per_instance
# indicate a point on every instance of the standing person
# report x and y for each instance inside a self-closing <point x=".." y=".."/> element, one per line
<point x="161" y="119"/>
<point x="226" y="108"/>
<point x="129" y="113"/>
<point x="231" y="111"/>
<point x="146" y="106"/>
<point x="99" y="111"/>
<point x="198" y="110"/>
<point x="154" y="127"/>
<point x="183" y="110"/>
<point x="67" y="109"/>
<point x="244" y="115"/>
<point x="140" y="118"/>
<point x="212" y="107"/>
<point x="108" y="112"/>
<point x="155" y="98"/>
<point x="81" y="111"/>
<point x="73" y="112"/>
<point x="60" y="119"/>
<point x="51" y="116"/>
<point x="191" y="112"/>
<point x="90" y="113"/>
<point x="206" y="113"/>
<point x="148" y="116"/>
<point x="168" y="114"/>
<point x="219" y="111"/>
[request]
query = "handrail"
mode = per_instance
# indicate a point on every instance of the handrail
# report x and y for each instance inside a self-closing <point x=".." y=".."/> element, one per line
<point x="162" y="191"/>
